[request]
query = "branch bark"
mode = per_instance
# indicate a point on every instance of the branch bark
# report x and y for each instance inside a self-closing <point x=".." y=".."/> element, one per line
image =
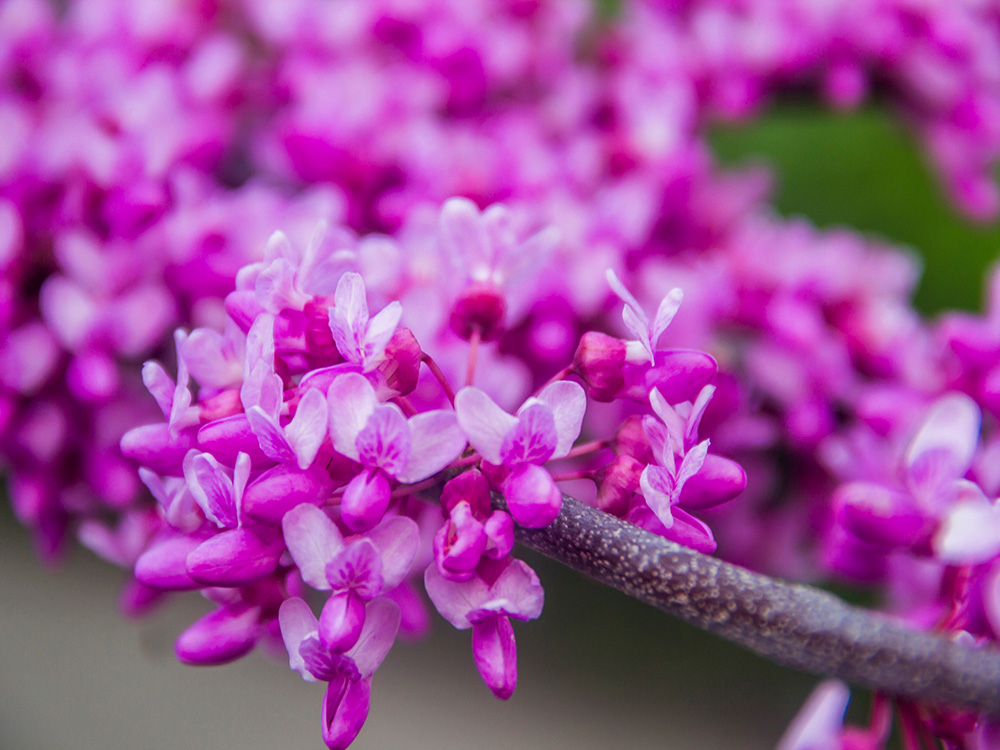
<point x="792" y="624"/>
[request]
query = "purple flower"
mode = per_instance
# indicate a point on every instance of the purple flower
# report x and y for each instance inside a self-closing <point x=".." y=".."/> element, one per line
<point x="240" y="554"/>
<point x="386" y="444"/>
<point x="355" y="571"/>
<point x="545" y="427"/>
<point x="349" y="673"/>
<point x="299" y="441"/>
<point x="501" y="589"/>
<point x="361" y="340"/>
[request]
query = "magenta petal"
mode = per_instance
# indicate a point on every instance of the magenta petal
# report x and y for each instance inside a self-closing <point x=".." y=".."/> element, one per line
<point x="358" y="568"/>
<point x="533" y="498"/>
<point x="345" y="708"/>
<point x="679" y="375"/>
<point x="495" y="654"/>
<point x="341" y="621"/>
<point x="164" y="564"/>
<point x="691" y="532"/>
<point x="718" y="481"/>
<point x="878" y="515"/>
<point x="499" y="529"/>
<point x="365" y="501"/>
<point x="155" y="448"/>
<point x="820" y="722"/>
<point x="533" y="439"/>
<point x="455" y="600"/>
<point x="227" y="438"/>
<point x="281" y="488"/>
<point x="220" y="637"/>
<point x="233" y="558"/>
<point x="517" y="592"/>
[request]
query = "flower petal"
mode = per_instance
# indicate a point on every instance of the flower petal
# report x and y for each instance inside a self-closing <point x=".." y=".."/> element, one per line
<point x="484" y="423"/>
<point x="380" y="329"/>
<point x="398" y="540"/>
<point x="377" y="636"/>
<point x="296" y="621"/>
<point x="349" y="316"/>
<point x="455" y="600"/>
<point x="270" y="436"/>
<point x="435" y="441"/>
<point x="568" y="401"/>
<point x="312" y="540"/>
<point x="307" y="430"/>
<point x="351" y="400"/>
<point x="950" y="433"/>
<point x="495" y="654"/>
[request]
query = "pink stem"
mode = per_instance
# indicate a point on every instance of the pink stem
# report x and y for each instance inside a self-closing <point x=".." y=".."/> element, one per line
<point x="439" y="375"/>
<point x="474" y="341"/>
<point x="567" y="476"/>
<point x="586" y="448"/>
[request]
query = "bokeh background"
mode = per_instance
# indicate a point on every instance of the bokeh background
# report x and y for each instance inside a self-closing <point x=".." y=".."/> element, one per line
<point x="597" y="670"/>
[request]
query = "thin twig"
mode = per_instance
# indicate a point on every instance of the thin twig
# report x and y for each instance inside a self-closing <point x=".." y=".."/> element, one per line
<point x="791" y="624"/>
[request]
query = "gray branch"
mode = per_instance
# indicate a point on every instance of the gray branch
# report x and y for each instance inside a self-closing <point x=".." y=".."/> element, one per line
<point x="795" y="625"/>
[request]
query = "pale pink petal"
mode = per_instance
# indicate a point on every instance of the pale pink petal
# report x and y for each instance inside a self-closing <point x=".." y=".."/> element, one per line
<point x="380" y="330"/>
<point x="312" y="540"/>
<point x="398" y="541"/>
<point x="435" y="441"/>
<point x="970" y="533"/>
<point x="676" y="425"/>
<point x="464" y="237"/>
<point x="384" y="441"/>
<point x="819" y="723"/>
<point x="270" y="436"/>
<point x="377" y="636"/>
<point x="668" y="308"/>
<point x="697" y="412"/>
<point x="533" y="439"/>
<point x="351" y="400"/>
<point x="159" y="384"/>
<point x="212" y="489"/>
<point x="658" y="489"/>
<point x="455" y="600"/>
<point x="638" y="327"/>
<point x="569" y="403"/>
<point x="307" y="430"/>
<point x="349" y="316"/>
<point x="626" y="296"/>
<point x="484" y="423"/>
<point x="691" y="463"/>
<point x="951" y="430"/>
<point x="296" y="621"/>
<point x="518" y="591"/>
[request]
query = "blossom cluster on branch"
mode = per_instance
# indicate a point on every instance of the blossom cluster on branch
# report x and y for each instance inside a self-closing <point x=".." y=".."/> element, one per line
<point x="467" y="193"/>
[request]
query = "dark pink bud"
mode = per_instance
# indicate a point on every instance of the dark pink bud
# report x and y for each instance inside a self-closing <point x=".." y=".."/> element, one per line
<point x="226" y="438"/>
<point x="402" y="361"/>
<point x="220" y="637"/>
<point x="237" y="557"/>
<point x="459" y="544"/>
<point x="365" y="501"/>
<point x="281" y="488"/>
<point x="679" y="375"/>
<point x="883" y="517"/>
<point x="154" y="447"/>
<point x="598" y="361"/>
<point x="532" y="496"/>
<point x="345" y="708"/>
<point x="481" y="307"/>
<point x="341" y="621"/>
<point x="617" y="483"/>
<point x="319" y="337"/>
<point x="223" y="404"/>
<point x="717" y="481"/>
<point x="470" y="487"/>
<point x="631" y="440"/>
<point x="164" y="564"/>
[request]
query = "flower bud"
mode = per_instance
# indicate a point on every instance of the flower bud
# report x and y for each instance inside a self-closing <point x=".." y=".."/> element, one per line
<point x="481" y="307"/>
<point x="617" y="483"/>
<point x="402" y="361"/>
<point x="598" y="361"/>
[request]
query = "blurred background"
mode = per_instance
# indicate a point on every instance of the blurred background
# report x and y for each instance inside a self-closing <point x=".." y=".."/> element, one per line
<point x="597" y="670"/>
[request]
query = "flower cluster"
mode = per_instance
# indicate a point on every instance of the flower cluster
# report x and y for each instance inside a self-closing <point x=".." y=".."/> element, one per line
<point x="318" y="385"/>
<point x="299" y="443"/>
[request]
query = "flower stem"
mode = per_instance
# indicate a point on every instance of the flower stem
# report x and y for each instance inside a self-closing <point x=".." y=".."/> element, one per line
<point x="439" y="376"/>
<point x="585" y="448"/>
<point x="474" y="341"/>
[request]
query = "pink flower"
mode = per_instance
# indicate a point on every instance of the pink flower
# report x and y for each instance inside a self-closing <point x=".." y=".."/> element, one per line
<point x="544" y="427"/>
<point x="386" y="444"/>
<point x="501" y="589"/>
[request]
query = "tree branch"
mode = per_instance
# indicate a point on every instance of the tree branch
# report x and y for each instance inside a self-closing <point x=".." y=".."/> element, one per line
<point x="795" y="625"/>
